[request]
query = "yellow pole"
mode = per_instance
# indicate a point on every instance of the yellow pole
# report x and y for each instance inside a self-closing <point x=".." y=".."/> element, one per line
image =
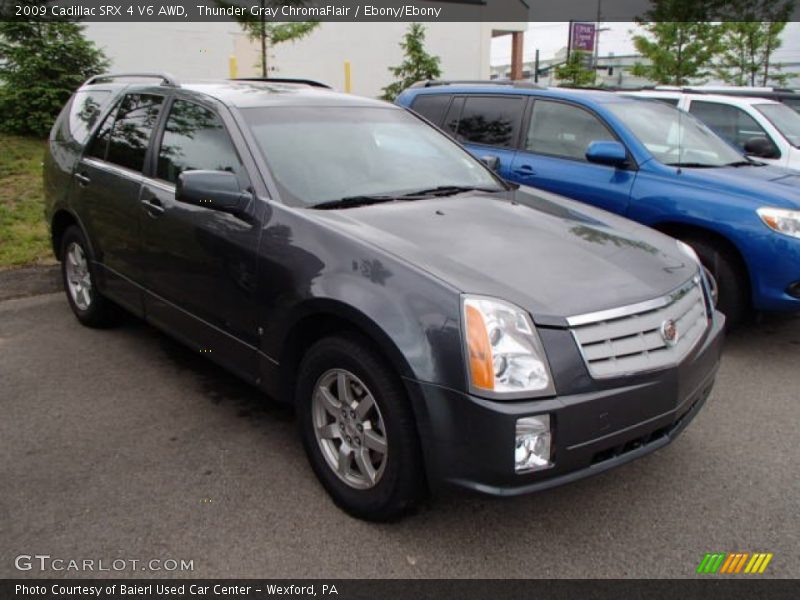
<point x="348" y="83"/>
<point x="233" y="69"/>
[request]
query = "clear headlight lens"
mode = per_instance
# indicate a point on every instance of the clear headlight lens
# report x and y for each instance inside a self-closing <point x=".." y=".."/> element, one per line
<point x="504" y="353"/>
<point x="781" y="220"/>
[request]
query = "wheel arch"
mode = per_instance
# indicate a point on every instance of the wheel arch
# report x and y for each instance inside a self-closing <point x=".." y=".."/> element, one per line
<point x="681" y="230"/>
<point x="320" y="318"/>
<point x="62" y="220"/>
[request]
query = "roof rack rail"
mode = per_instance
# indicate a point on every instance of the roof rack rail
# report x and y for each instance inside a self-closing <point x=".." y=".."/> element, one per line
<point x="309" y="82"/>
<point x="520" y="83"/>
<point x="166" y="78"/>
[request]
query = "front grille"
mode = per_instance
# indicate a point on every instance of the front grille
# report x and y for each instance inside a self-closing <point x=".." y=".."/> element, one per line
<point x="629" y="340"/>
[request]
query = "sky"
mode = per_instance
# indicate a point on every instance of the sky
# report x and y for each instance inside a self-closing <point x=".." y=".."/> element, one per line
<point x="549" y="38"/>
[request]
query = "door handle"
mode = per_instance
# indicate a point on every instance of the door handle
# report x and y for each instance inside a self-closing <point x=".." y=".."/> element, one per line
<point x="83" y="180"/>
<point x="525" y="171"/>
<point x="153" y="206"/>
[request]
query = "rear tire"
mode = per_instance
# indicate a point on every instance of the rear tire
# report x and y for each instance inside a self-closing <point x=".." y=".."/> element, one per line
<point x="78" y="274"/>
<point x="732" y="283"/>
<point x="370" y="464"/>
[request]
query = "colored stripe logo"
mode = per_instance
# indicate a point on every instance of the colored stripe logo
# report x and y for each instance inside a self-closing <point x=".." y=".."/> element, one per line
<point x="734" y="563"/>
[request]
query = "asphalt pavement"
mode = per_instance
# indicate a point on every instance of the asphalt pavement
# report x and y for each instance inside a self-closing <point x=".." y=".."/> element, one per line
<point x="122" y="444"/>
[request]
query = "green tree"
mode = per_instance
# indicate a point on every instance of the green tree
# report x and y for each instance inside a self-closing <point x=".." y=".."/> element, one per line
<point x="268" y="34"/>
<point x="747" y="46"/>
<point x="678" y="51"/>
<point x="574" y="72"/>
<point x="418" y="65"/>
<point x="41" y="65"/>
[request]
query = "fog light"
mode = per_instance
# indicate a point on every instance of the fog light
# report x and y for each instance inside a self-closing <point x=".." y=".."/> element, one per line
<point x="532" y="444"/>
<point x="794" y="289"/>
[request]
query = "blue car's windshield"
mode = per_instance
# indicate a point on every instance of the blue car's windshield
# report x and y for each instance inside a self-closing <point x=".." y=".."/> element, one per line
<point x="319" y="155"/>
<point x="674" y="137"/>
<point x="784" y="119"/>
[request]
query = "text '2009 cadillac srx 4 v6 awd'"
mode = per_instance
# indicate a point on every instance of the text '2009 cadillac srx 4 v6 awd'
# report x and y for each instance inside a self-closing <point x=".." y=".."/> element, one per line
<point x="431" y="323"/>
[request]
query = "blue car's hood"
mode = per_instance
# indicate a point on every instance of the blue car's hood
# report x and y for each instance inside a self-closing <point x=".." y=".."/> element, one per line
<point x="780" y="187"/>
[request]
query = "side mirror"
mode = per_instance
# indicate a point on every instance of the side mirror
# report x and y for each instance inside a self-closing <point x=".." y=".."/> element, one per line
<point x="491" y="161"/>
<point x="607" y="153"/>
<point x="761" y="147"/>
<point x="217" y="190"/>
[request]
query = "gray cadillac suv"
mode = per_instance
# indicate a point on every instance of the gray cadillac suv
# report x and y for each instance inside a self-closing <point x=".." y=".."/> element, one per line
<point x="431" y="323"/>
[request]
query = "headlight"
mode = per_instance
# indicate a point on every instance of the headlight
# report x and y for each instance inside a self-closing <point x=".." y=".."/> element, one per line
<point x="709" y="287"/>
<point x="781" y="220"/>
<point x="504" y="353"/>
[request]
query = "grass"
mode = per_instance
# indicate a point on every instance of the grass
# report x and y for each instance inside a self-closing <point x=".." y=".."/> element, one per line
<point x="23" y="232"/>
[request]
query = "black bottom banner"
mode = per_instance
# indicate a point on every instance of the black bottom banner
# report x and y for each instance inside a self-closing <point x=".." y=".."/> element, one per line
<point x="420" y="589"/>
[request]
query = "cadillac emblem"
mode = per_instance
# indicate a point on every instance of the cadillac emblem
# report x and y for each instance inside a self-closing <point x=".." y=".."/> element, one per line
<point x="669" y="332"/>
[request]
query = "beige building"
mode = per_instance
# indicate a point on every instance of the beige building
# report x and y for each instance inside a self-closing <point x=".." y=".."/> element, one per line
<point x="203" y="50"/>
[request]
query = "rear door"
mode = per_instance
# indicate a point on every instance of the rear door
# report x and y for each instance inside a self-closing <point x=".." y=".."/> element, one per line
<point x="107" y="182"/>
<point x="199" y="263"/>
<point x="553" y="157"/>
<point x="489" y="126"/>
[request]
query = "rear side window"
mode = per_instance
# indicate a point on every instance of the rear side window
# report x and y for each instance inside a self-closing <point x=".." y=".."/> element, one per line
<point x="728" y="122"/>
<point x="132" y="128"/>
<point x="563" y="130"/>
<point x="492" y="121"/>
<point x="431" y="106"/>
<point x="85" y="111"/>
<point x="194" y="138"/>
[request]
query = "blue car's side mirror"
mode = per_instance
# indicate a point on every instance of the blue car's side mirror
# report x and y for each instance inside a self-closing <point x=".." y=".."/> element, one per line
<point x="607" y="153"/>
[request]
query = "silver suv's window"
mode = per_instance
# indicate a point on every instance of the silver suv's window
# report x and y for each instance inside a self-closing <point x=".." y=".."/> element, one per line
<point x="784" y="119"/>
<point x="194" y="138"/>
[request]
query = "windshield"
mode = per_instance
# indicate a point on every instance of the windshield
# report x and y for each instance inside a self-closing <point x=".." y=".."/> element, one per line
<point x="673" y="136"/>
<point x="784" y="119"/>
<point x="323" y="154"/>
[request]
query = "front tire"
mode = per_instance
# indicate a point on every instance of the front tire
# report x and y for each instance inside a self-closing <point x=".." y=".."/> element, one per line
<point x="78" y="273"/>
<point x="729" y="279"/>
<point x="358" y="430"/>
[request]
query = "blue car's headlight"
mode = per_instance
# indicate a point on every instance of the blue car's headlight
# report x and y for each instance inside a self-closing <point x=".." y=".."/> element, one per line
<point x="781" y="220"/>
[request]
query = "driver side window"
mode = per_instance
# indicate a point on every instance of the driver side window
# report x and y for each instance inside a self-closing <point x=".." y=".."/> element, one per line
<point x="194" y="138"/>
<point x="729" y="122"/>
<point x="563" y="130"/>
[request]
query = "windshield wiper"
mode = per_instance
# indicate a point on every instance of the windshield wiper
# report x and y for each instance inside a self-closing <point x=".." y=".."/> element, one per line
<point x="450" y="190"/>
<point x="744" y="163"/>
<point x="692" y="165"/>
<point x="353" y="201"/>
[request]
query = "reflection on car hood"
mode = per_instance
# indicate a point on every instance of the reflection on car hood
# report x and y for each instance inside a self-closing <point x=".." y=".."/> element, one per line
<point x="775" y="185"/>
<point x="551" y="255"/>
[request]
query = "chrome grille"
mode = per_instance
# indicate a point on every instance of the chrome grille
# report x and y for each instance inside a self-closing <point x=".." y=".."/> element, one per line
<point x="629" y="339"/>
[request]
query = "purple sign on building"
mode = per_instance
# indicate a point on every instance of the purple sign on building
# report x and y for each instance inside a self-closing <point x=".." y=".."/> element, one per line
<point x="583" y="37"/>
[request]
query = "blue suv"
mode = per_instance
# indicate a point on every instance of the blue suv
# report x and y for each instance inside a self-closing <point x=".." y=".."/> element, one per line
<point x="642" y="159"/>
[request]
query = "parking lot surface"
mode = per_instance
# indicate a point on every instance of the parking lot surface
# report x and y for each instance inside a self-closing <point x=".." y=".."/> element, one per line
<point x="124" y="444"/>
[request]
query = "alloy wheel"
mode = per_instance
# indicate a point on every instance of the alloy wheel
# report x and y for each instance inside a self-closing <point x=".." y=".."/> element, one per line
<point x="79" y="280"/>
<point x="349" y="429"/>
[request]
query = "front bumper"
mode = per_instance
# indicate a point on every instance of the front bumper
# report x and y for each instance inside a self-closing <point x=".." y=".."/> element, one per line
<point x="469" y="441"/>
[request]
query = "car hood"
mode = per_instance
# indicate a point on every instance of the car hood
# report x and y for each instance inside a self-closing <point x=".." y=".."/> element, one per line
<point x="774" y="185"/>
<point x="553" y="256"/>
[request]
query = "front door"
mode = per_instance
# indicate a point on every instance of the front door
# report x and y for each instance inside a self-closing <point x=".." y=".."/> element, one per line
<point x="200" y="263"/>
<point x="553" y="157"/>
